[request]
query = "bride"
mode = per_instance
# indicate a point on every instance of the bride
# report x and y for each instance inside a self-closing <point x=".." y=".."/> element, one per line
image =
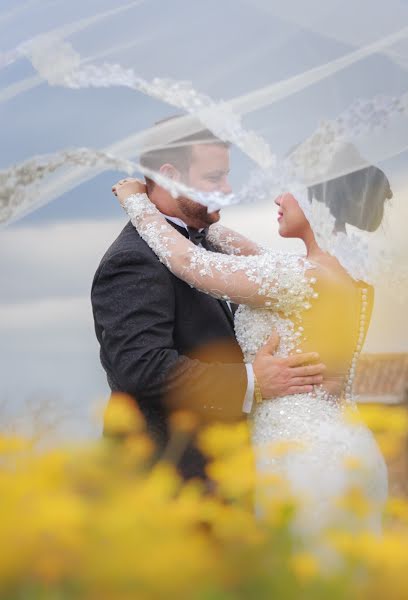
<point x="313" y="304"/>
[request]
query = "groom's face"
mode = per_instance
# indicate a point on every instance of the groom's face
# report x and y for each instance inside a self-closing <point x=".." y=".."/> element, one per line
<point x="208" y="172"/>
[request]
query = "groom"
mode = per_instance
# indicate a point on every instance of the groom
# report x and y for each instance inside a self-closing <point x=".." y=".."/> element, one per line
<point x="168" y="345"/>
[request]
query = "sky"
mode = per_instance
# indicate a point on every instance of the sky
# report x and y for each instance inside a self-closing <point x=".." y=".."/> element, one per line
<point x="48" y="350"/>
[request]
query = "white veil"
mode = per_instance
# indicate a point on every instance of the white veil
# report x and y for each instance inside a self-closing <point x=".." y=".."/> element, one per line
<point x="292" y="85"/>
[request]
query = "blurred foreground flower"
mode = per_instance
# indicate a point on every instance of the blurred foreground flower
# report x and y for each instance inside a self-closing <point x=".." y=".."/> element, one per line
<point x="122" y="416"/>
<point x="107" y="521"/>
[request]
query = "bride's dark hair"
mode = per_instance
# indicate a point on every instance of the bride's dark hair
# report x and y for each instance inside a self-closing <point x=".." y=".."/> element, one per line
<point x="356" y="198"/>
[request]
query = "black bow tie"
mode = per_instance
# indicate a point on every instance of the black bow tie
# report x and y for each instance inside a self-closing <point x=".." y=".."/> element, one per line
<point x="197" y="237"/>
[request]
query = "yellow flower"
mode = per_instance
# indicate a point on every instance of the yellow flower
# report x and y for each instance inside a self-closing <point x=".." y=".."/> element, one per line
<point x="137" y="449"/>
<point x="391" y="445"/>
<point x="384" y="418"/>
<point x="223" y="439"/>
<point x="398" y="508"/>
<point x="235" y="474"/>
<point x="103" y="521"/>
<point x="13" y="444"/>
<point x="355" y="502"/>
<point x="305" y="566"/>
<point x="122" y="415"/>
<point x="184" y="421"/>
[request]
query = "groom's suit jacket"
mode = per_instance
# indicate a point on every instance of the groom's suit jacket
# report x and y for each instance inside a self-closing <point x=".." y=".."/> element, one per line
<point x="166" y="344"/>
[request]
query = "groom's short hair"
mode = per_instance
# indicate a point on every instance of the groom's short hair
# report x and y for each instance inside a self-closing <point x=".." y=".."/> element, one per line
<point x="178" y="152"/>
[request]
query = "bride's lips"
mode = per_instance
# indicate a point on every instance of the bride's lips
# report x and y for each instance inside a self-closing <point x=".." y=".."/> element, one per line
<point x="280" y="215"/>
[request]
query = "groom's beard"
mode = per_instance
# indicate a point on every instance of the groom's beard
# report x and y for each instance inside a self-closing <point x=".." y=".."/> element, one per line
<point x="198" y="214"/>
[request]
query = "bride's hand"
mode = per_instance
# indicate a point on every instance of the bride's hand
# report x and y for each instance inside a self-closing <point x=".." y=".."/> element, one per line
<point x="126" y="187"/>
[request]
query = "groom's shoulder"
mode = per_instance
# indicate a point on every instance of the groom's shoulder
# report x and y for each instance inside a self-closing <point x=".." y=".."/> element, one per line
<point x="127" y="241"/>
<point x="127" y="245"/>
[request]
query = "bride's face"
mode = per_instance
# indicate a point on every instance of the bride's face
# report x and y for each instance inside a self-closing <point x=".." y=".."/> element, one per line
<point x="291" y="218"/>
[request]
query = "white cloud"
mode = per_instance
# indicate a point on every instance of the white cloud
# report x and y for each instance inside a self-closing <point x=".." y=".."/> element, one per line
<point x="34" y="316"/>
<point x="53" y="259"/>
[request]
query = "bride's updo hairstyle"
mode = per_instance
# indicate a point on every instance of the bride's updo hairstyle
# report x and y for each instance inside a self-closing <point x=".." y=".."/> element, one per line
<point x="356" y="198"/>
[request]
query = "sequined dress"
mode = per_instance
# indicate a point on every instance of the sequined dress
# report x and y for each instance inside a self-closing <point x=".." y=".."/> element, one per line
<point x="312" y="440"/>
<point x="327" y="455"/>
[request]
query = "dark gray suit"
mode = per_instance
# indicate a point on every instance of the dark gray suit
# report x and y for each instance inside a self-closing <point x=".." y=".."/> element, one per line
<point x="164" y="343"/>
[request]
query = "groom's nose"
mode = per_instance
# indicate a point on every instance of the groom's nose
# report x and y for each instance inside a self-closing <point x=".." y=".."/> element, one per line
<point x="225" y="187"/>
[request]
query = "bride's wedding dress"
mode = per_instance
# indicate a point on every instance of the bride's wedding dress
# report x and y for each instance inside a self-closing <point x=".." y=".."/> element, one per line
<point x="311" y="311"/>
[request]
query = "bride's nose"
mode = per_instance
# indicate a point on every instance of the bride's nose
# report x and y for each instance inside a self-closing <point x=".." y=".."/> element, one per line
<point x="278" y="200"/>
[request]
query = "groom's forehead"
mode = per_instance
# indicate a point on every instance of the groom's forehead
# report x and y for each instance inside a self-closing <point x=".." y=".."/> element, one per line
<point x="210" y="156"/>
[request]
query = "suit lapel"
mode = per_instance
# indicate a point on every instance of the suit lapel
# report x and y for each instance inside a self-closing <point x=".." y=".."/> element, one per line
<point x="230" y="315"/>
<point x="178" y="228"/>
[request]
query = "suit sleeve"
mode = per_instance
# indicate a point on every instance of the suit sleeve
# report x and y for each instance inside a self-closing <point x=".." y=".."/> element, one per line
<point x="133" y="301"/>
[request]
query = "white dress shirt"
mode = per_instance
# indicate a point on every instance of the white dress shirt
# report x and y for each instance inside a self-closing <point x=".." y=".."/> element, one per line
<point x="249" y="396"/>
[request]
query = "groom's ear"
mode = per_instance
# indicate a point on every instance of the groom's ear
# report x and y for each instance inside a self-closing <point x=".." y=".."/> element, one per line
<point x="170" y="171"/>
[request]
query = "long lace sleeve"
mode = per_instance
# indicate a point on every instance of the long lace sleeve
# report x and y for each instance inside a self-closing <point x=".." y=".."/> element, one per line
<point x="267" y="281"/>
<point x="228" y="241"/>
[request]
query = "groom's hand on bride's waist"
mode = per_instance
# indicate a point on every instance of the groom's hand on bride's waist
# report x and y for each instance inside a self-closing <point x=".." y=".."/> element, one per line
<point x="282" y="376"/>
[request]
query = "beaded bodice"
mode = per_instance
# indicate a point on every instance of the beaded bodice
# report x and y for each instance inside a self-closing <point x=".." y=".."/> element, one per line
<point x="333" y="323"/>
